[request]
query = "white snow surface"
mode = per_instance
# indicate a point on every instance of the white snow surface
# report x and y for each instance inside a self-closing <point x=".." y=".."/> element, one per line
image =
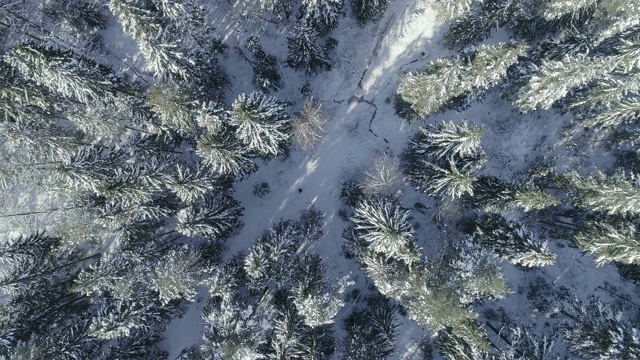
<point x="368" y="63"/>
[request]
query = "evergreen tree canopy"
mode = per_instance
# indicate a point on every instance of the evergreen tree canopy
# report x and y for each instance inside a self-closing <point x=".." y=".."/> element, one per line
<point x="617" y="194"/>
<point x="304" y="53"/>
<point x="610" y="242"/>
<point x="386" y="227"/>
<point x="512" y="241"/>
<point x="261" y="123"/>
<point x="430" y="90"/>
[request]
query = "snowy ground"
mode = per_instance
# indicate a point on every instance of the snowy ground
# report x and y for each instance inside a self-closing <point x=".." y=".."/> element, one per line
<point x="370" y="61"/>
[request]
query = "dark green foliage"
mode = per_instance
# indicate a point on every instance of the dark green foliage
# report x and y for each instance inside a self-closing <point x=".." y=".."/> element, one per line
<point x="265" y="73"/>
<point x="81" y="15"/>
<point x="365" y="10"/>
<point x="495" y="194"/>
<point x="371" y="331"/>
<point x="304" y="53"/>
<point x="441" y="160"/>
<point x="599" y="332"/>
<point x="351" y="193"/>
<point x="467" y="31"/>
<point x="403" y="109"/>
<point x="512" y="241"/>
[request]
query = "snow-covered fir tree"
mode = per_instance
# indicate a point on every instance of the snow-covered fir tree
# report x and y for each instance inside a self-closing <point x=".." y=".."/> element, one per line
<point x="600" y="331"/>
<point x="442" y="160"/>
<point x="557" y="9"/>
<point x="556" y="78"/>
<point x="475" y="273"/>
<point x="428" y="298"/>
<point x="610" y="242"/>
<point x="281" y="8"/>
<point x="81" y="15"/>
<point x="265" y="73"/>
<point x="191" y="183"/>
<point x="387" y="229"/>
<point x="445" y="180"/>
<point x="68" y="75"/>
<point x="618" y="194"/>
<point x="215" y="217"/>
<point x="371" y="331"/>
<point x="430" y="90"/>
<point x="512" y="241"/>
<point x="116" y="320"/>
<point x="446" y="140"/>
<point x="448" y="10"/>
<point x="313" y="300"/>
<point x="494" y="194"/>
<point x="365" y="10"/>
<point x="467" y="30"/>
<point x="304" y="53"/>
<point x="321" y="15"/>
<point x="612" y="18"/>
<point x="225" y="154"/>
<point x="178" y="275"/>
<point x="156" y="42"/>
<point x="432" y="303"/>
<point x="172" y="106"/>
<point x="261" y="123"/>
<point x="286" y="340"/>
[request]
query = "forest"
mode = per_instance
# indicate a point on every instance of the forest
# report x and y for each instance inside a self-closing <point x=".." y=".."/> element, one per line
<point x="319" y="179"/>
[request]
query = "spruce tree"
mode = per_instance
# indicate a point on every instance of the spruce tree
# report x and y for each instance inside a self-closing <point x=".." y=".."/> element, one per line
<point x="371" y="331"/>
<point x="446" y="141"/>
<point x="616" y="195"/>
<point x="442" y="160"/>
<point x="177" y="275"/>
<point x="475" y="273"/>
<point x="613" y="17"/>
<point x="365" y="10"/>
<point x="81" y="15"/>
<point x="66" y="74"/>
<point x="494" y="194"/>
<point x="512" y="241"/>
<point x="225" y="154"/>
<point x="610" y="242"/>
<point x="191" y="183"/>
<point x="448" y="10"/>
<point x="215" y="217"/>
<point x="557" y="78"/>
<point x="304" y="53"/>
<point x="321" y="15"/>
<point x="557" y="9"/>
<point x="600" y="332"/>
<point x="172" y="106"/>
<point x="311" y="297"/>
<point x="261" y="123"/>
<point x="386" y="227"/>
<point x="117" y="320"/>
<point x="265" y="72"/>
<point x="441" y="81"/>
<point x="157" y="43"/>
